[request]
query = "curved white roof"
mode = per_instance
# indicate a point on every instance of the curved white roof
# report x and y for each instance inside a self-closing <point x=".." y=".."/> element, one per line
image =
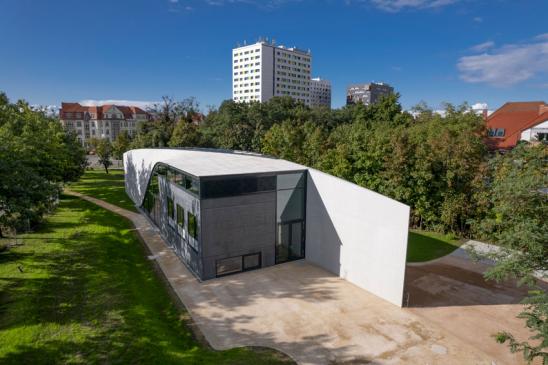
<point x="138" y="165"/>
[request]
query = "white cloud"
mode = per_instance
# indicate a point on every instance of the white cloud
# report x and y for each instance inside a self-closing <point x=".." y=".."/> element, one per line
<point x="397" y="5"/>
<point x="386" y="5"/>
<point x="542" y="37"/>
<point x="266" y="4"/>
<point x="483" y="46"/>
<point x="141" y="104"/>
<point x="506" y="65"/>
<point x="480" y="106"/>
<point x="478" y="19"/>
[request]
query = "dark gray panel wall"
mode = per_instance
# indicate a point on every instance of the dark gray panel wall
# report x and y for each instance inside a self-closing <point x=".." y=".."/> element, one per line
<point x="236" y="226"/>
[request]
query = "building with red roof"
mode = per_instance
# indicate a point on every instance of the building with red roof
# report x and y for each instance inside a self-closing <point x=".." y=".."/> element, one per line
<point x="101" y="121"/>
<point x="517" y="121"/>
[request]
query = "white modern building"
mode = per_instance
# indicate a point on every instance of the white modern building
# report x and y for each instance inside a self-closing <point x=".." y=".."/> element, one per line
<point x="224" y="212"/>
<point x="263" y="70"/>
<point x="101" y="121"/>
<point x="320" y="92"/>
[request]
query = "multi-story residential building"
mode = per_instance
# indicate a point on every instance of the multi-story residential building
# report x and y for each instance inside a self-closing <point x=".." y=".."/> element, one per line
<point x="263" y="70"/>
<point x="102" y="121"/>
<point x="320" y="92"/>
<point x="367" y="93"/>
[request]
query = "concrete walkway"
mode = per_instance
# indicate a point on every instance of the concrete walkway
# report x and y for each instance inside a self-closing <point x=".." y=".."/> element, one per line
<point x="306" y="312"/>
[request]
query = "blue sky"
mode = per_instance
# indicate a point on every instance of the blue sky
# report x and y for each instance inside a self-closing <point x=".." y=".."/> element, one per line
<point x="429" y="50"/>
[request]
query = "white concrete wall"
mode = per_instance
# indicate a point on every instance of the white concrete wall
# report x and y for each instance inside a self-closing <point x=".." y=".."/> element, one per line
<point x="357" y="234"/>
<point x="138" y="165"/>
<point x="531" y="133"/>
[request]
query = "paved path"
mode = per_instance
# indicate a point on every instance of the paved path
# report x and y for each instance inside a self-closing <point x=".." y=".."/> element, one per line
<point x="307" y="313"/>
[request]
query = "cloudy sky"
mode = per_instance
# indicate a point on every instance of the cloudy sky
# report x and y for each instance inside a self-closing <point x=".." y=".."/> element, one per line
<point x="488" y="51"/>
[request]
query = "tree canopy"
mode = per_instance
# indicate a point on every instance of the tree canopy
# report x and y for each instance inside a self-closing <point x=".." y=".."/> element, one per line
<point x="36" y="158"/>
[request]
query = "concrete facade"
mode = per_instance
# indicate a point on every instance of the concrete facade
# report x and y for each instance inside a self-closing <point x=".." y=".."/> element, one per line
<point x="320" y="92"/>
<point x="102" y="121"/>
<point x="252" y="211"/>
<point x="263" y="70"/>
<point x="357" y="234"/>
<point x="367" y="94"/>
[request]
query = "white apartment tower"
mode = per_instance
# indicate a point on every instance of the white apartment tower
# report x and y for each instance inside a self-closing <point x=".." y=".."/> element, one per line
<point x="263" y="70"/>
<point x="320" y="92"/>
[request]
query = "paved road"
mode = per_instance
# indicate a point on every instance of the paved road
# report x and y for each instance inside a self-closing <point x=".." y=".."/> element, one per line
<point x="312" y="315"/>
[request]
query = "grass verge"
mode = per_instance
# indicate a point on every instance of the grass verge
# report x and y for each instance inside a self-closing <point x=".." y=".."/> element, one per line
<point x="108" y="187"/>
<point x="425" y="246"/>
<point x="80" y="290"/>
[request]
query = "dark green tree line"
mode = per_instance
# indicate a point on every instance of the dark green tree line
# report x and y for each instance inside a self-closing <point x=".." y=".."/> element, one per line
<point x="36" y="158"/>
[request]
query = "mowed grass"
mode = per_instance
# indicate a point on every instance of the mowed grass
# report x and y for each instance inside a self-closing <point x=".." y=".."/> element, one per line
<point x="108" y="187"/>
<point x="80" y="290"/>
<point x="425" y="246"/>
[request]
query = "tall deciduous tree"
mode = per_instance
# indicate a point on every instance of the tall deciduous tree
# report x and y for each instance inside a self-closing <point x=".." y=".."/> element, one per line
<point x="104" y="152"/>
<point x="36" y="158"/>
<point x="517" y="222"/>
<point x="121" y="144"/>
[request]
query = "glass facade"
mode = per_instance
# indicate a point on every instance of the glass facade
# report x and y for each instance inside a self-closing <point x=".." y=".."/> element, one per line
<point x="290" y="217"/>
<point x="284" y="203"/>
<point x="234" y="186"/>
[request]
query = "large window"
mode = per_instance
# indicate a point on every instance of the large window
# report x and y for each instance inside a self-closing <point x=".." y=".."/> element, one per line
<point x="229" y="266"/>
<point x="237" y="186"/>
<point x="236" y="264"/>
<point x="192" y="225"/>
<point x="180" y="216"/>
<point x="170" y="210"/>
<point x="290" y="217"/>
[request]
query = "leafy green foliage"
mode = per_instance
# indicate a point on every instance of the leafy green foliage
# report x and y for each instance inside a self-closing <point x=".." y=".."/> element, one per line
<point x="166" y="115"/>
<point x="121" y="144"/>
<point x="104" y="152"/>
<point x="536" y="319"/>
<point x="36" y="158"/>
<point x="517" y="218"/>
<point x="434" y="164"/>
<point x="517" y="223"/>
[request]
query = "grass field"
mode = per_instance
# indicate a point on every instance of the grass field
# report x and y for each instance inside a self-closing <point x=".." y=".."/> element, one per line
<point x="80" y="290"/>
<point x="110" y="188"/>
<point x="426" y="246"/>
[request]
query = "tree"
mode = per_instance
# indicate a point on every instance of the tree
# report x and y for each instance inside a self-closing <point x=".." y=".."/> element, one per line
<point x="166" y="114"/>
<point x="186" y="134"/>
<point x="121" y="144"/>
<point x="36" y="158"/>
<point x="104" y="152"/>
<point x="517" y="223"/>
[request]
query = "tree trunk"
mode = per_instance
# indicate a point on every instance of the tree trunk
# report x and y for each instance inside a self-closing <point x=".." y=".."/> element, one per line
<point x="106" y="169"/>
<point x="1" y="235"/>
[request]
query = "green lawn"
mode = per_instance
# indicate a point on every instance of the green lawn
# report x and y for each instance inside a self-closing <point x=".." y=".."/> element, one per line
<point x="425" y="246"/>
<point x="108" y="187"/>
<point x="80" y="290"/>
